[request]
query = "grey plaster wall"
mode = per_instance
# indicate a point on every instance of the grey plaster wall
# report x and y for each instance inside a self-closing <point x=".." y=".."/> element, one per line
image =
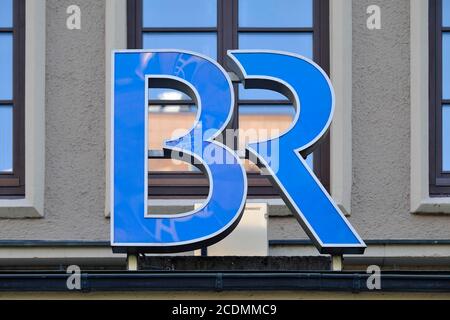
<point x="75" y="132"/>
<point x="381" y="128"/>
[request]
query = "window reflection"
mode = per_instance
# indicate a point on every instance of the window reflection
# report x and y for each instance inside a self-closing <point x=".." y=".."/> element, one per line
<point x="280" y="13"/>
<point x="446" y="138"/>
<point x="6" y="66"/>
<point x="164" y="123"/>
<point x="300" y="43"/>
<point x="6" y="138"/>
<point x="446" y="66"/>
<point x="204" y="43"/>
<point x="446" y="13"/>
<point x="262" y="113"/>
<point x="167" y="121"/>
<point x="263" y="122"/>
<point x="6" y="14"/>
<point x="167" y="94"/>
<point x="179" y="13"/>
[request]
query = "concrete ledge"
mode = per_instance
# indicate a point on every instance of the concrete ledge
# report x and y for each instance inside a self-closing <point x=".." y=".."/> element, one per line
<point x="19" y="209"/>
<point x="437" y="206"/>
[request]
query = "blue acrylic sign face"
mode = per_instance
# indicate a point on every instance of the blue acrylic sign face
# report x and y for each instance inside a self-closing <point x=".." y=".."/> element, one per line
<point x="301" y="80"/>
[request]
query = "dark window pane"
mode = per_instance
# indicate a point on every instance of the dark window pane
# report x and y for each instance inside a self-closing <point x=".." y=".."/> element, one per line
<point x="446" y="138"/>
<point x="180" y="13"/>
<point x="6" y="14"/>
<point x="6" y="138"/>
<point x="279" y="13"/>
<point x="446" y="13"/>
<point x="204" y="43"/>
<point x="300" y="43"/>
<point x="446" y="66"/>
<point x="6" y="66"/>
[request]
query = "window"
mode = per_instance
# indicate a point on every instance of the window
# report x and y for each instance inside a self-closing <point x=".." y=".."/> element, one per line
<point x="212" y="27"/>
<point x="12" y="98"/>
<point x="439" y="97"/>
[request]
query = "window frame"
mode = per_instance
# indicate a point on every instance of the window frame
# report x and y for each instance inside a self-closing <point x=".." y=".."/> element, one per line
<point x="195" y="185"/>
<point x="439" y="181"/>
<point x="12" y="185"/>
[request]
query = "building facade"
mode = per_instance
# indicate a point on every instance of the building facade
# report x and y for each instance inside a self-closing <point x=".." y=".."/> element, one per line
<point x="386" y="159"/>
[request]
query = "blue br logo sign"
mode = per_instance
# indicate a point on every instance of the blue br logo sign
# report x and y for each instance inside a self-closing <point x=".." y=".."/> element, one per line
<point x="301" y="80"/>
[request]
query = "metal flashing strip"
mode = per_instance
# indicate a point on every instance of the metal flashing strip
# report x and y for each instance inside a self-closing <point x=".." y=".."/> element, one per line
<point x="53" y="243"/>
<point x="274" y="242"/>
<point x="226" y="281"/>
<point x="302" y="242"/>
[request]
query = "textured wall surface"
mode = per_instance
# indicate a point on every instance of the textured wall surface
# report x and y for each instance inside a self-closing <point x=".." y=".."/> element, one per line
<point x="75" y="132"/>
<point x="381" y="128"/>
